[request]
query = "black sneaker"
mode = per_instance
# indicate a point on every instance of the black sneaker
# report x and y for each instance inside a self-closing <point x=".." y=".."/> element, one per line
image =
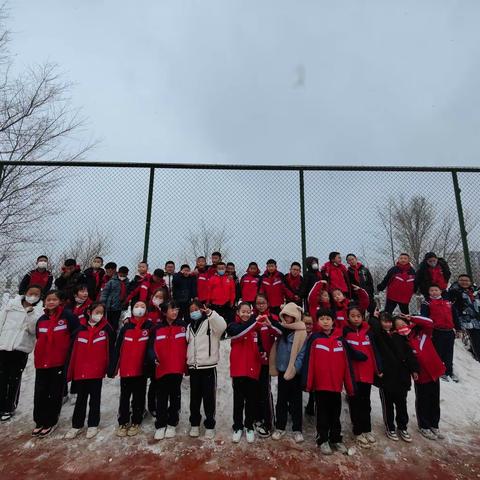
<point x="4" y="417"/>
<point x="262" y="430"/>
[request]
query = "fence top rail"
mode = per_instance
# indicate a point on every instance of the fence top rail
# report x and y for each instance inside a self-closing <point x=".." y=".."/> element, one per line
<point x="215" y="166"/>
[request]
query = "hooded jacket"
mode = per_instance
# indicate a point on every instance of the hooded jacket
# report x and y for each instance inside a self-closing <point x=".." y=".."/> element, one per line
<point x="311" y="276"/>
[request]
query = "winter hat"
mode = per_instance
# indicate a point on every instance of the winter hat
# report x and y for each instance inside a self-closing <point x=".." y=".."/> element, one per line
<point x="293" y="310"/>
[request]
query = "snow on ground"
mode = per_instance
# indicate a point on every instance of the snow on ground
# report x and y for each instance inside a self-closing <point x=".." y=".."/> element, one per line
<point x="107" y="456"/>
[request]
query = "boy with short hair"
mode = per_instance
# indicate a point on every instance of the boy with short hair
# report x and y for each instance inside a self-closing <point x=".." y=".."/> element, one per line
<point x="274" y="287"/>
<point x="40" y="276"/>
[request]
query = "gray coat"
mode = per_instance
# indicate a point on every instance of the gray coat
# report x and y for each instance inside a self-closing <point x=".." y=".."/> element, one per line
<point x="110" y="295"/>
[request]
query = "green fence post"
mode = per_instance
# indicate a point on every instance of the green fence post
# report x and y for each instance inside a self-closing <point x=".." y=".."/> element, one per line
<point x="461" y="221"/>
<point x="149" y="214"/>
<point x="302" y="219"/>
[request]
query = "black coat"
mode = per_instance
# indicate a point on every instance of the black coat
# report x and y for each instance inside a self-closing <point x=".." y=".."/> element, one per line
<point x="93" y="289"/>
<point x="184" y="288"/>
<point x="422" y="279"/>
<point x="397" y="359"/>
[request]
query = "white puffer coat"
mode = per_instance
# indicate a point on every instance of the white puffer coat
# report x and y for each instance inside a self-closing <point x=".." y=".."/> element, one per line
<point x="17" y="326"/>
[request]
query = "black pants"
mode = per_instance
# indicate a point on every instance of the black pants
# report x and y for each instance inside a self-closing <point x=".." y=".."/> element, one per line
<point x="87" y="388"/>
<point x="169" y="396"/>
<point x="47" y="399"/>
<point x="265" y="399"/>
<point x="289" y="400"/>
<point x="391" y="305"/>
<point x="134" y="388"/>
<point x="203" y="388"/>
<point x="12" y="365"/>
<point x="360" y="409"/>
<point x="184" y="312"/>
<point x="474" y="337"/>
<point x="245" y="392"/>
<point x="391" y="402"/>
<point x="444" y="341"/>
<point x="152" y="396"/>
<point x="113" y="317"/>
<point x="427" y="404"/>
<point x="329" y="407"/>
<point x="310" y="407"/>
<point x="225" y="311"/>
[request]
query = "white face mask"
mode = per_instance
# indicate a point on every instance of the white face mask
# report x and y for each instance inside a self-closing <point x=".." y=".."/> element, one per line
<point x="95" y="318"/>
<point x="80" y="300"/>
<point x="42" y="264"/>
<point x="314" y="266"/>
<point x="31" y="299"/>
<point x="157" y="301"/>
<point x="138" y="312"/>
<point x="122" y="278"/>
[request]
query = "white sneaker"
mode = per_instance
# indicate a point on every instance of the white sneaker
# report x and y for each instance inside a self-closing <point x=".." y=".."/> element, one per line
<point x="73" y="398"/>
<point x="237" y="435"/>
<point x="362" y="441"/>
<point x="370" y="437"/>
<point x="210" y="433"/>
<point x="278" y="434"/>
<point x="454" y="378"/>
<point x="171" y="431"/>
<point x="159" y="434"/>
<point x="250" y="434"/>
<point x="72" y="433"/>
<point x="298" y="437"/>
<point x="194" y="431"/>
<point x="438" y="433"/>
<point x="91" y="432"/>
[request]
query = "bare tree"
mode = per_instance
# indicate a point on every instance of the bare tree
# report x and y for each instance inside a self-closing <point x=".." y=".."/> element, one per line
<point x="205" y="240"/>
<point x="37" y="123"/>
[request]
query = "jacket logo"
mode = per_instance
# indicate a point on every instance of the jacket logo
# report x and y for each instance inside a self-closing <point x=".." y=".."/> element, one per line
<point x="183" y="329"/>
<point x="61" y="322"/>
<point x="339" y="343"/>
<point x="101" y="333"/>
<point x="144" y="333"/>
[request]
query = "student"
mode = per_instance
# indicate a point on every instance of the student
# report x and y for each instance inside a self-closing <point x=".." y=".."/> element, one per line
<point x="155" y="282"/>
<point x="268" y="333"/>
<point x="168" y="351"/>
<point x="310" y="407"/>
<point x="400" y="284"/>
<point x="341" y="303"/>
<point x="94" y="278"/>
<point x="325" y="371"/>
<point x="286" y="358"/>
<point x="40" y="276"/>
<point x="359" y="337"/>
<point x="204" y="332"/>
<point x="318" y="298"/>
<point x="432" y="271"/>
<point x="249" y="283"/>
<point x="311" y="277"/>
<point x="274" y="287"/>
<point x="216" y="258"/>
<point x="17" y="338"/>
<point x="466" y="302"/>
<point x="245" y="363"/>
<point x="336" y="274"/>
<point x="184" y="290"/>
<point x="398" y="366"/>
<point x="54" y="330"/>
<point x="360" y="275"/>
<point x="169" y="273"/>
<point x="93" y="343"/>
<point x="201" y="272"/>
<point x="156" y="316"/>
<point x="80" y="302"/>
<point x="418" y="331"/>
<point x="232" y="273"/>
<point x="294" y="280"/>
<point x="221" y="292"/>
<point x="71" y="277"/>
<point x="114" y="297"/>
<point x="129" y="361"/>
<point x="138" y="287"/>
<point x="445" y="325"/>
<point x="110" y="272"/>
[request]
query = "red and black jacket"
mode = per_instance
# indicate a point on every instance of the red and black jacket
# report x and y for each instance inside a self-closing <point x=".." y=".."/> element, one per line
<point x="245" y="356"/>
<point x="79" y="310"/>
<point x="94" y="280"/>
<point x="138" y="289"/>
<point x="92" y="347"/>
<point x="202" y="285"/>
<point x="54" y="333"/>
<point x="36" y="277"/>
<point x="267" y="335"/>
<point x="155" y="314"/>
<point x="221" y="290"/>
<point x="249" y="285"/>
<point x="336" y="277"/>
<point x="294" y="284"/>
<point x="442" y="313"/>
<point x="313" y="299"/>
<point x="275" y="289"/>
<point x="400" y="283"/>
<point x="341" y="308"/>
<point x="130" y="358"/>
<point x="167" y="348"/>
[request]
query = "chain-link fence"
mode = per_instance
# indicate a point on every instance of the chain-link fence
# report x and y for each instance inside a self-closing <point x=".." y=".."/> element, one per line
<point x="127" y="212"/>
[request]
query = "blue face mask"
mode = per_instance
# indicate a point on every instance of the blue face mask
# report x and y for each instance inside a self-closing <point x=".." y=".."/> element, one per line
<point x="221" y="272"/>
<point x="196" y="315"/>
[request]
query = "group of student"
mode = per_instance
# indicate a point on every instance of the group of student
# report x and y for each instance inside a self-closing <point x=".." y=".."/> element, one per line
<point x="320" y="333"/>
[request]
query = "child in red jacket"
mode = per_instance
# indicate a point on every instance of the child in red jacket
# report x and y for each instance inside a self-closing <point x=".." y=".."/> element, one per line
<point x="326" y="369"/>
<point x="81" y="302"/>
<point x="418" y="331"/>
<point x="249" y="283"/>
<point x="168" y="351"/>
<point x="336" y="274"/>
<point x="221" y="292"/>
<point x="245" y="365"/>
<point x="93" y="343"/>
<point x="130" y="361"/>
<point x="54" y="331"/>
<point x="273" y="286"/>
<point x="357" y="334"/>
<point x="318" y="298"/>
<point x="341" y="304"/>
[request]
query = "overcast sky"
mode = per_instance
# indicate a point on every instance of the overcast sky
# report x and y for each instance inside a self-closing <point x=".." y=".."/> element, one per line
<point x="270" y="82"/>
